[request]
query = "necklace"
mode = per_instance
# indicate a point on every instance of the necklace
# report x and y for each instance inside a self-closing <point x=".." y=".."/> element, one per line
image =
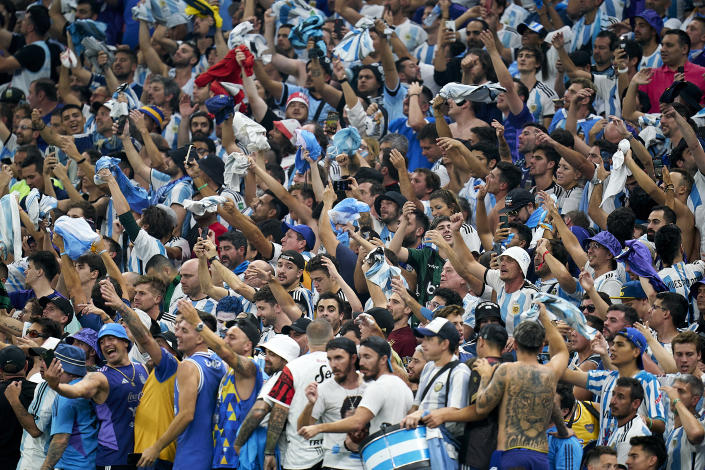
<point x="132" y="380"/>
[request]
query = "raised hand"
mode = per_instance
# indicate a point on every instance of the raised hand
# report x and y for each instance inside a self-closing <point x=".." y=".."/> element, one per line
<point x="643" y="76"/>
<point x="311" y="392"/>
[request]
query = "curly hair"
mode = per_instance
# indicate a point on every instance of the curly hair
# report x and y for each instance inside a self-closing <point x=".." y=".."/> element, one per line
<point x="157" y="221"/>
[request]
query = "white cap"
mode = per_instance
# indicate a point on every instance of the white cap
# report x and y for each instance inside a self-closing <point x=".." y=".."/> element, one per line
<point x="520" y="256"/>
<point x="283" y="346"/>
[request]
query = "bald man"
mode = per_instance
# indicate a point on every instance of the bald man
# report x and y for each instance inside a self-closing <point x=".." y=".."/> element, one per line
<point x="191" y="288"/>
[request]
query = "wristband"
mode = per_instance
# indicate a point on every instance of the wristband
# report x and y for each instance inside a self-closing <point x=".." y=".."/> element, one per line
<point x="78" y="162"/>
<point x="101" y="252"/>
<point x="214" y="258"/>
<point x="201" y="187"/>
<point x="545" y="253"/>
<point x="624" y="70"/>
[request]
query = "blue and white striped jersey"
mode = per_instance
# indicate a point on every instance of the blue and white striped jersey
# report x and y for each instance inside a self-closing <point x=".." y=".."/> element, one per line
<point x="683" y="454"/>
<point x="602" y="383"/>
<point x="587" y="33"/>
<point x="680" y="276"/>
<point x="143" y="248"/>
<point x="540" y="102"/>
<point x="653" y="60"/>
<point x="304" y="299"/>
<point x="510" y="304"/>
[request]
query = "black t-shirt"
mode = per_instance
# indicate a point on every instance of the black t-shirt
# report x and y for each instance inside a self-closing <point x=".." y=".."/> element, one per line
<point x="11" y="430"/>
<point x="31" y="57"/>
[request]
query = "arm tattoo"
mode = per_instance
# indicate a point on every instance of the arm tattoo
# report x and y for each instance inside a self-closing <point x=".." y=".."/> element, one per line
<point x="252" y="420"/>
<point x="490" y="394"/>
<point x="529" y="404"/>
<point x="56" y="449"/>
<point x="277" y="420"/>
<point x="134" y="323"/>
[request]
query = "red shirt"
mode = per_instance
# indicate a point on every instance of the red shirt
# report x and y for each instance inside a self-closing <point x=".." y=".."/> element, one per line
<point x="403" y="341"/>
<point x="663" y="78"/>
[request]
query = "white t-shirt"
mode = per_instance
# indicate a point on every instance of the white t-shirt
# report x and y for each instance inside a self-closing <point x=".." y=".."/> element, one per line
<point x="32" y="449"/>
<point x="335" y="403"/>
<point x="389" y="400"/>
<point x="288" y="391"/>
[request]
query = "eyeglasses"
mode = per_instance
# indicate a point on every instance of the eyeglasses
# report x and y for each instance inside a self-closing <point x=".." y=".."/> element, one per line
<point x="22" y="128"/>
<point x="589" y="308"/>
<point x="35" y="334"/>
<point x="659" y="307"/>
<point x="201" y="151"/>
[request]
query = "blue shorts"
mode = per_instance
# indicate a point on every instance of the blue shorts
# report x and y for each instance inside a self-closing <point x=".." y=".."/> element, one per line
<point x="523" y="459"/>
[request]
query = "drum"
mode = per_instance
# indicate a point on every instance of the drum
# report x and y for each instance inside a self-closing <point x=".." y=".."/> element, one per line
<point x="395" y="448"/>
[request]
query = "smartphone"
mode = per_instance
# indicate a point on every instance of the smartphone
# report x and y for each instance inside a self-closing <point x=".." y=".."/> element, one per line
<point x="681" y="69"/>
<point x="132" y="459"/>
<point x="48" y="356"/>
<point x="341" y="185"/>
<point x="121" y="124"/>
<point x="332" y="122"/>
<point x="503" y="221"/>
<point x="450" y="25"/>
<point x="189" y="158"/>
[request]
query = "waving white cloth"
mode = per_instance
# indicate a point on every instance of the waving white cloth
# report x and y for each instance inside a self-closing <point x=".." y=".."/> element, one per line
<point x="486" y="93"/>
<point x="236" y="165"/>
<point x="249" y="133"/>
<point x="357" y="44"/>
<point x="618" y="173"/>
<point x="31" y="202"/>
<point x="207" y="204"/>
<point x="10" y="228"/>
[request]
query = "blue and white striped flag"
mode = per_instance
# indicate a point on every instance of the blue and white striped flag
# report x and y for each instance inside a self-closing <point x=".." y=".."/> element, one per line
<point x="289" y="11"/>
<point x="357" y="44"/>
<point x="562" y="310"/>
<point x="487" y="93"/>
<point x="381" y="273"/>
<point x="10" y="228"/>
<point x="77" y="234"/>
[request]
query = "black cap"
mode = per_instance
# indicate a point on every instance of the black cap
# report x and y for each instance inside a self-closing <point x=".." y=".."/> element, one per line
<point x="12" y="95"/>
<point x="179" y="156"/>
<point x="494" y="333"/>
<point x="12" y="359"/>
<point x="295" y="257"/>
<point x="61" y="302"/>
<point x="214" y="168"/>
<point x="516" y="199"/>
<point x="393" y="196"/>
<point x="251" y="331"/>
<point x="298" y="326"/>
<point x="488" y="310"/>
<point x="686" y="90"/>
<point x="383" y="318"/>
<point x="171" y="340"/>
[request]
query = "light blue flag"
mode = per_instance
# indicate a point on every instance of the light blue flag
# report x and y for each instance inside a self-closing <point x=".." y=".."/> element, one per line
<point x="305" y="140"/>
<point x="80" y="29"/>
<point x="137" y="197"/>
<point x="10" y="228"/>
<point x="562" y="310"/>
<point x="310" y="28"/>
<point x="381" y="273"/>
<point x="77" y="234"/>
<point x="347" y="140"/>
<point x="357" y="44"/>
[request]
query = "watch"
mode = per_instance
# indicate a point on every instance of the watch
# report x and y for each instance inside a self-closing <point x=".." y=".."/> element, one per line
<point x="200" y="327"/>
<point x="210" y="260"/>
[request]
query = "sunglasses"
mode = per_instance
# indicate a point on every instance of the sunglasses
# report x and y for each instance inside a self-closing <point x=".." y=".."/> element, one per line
<point x="589" y="308"/>
<point x="35" y="334"/>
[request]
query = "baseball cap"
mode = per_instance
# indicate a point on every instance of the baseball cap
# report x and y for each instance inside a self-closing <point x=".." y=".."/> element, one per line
<point x="11" y="95"/>
<point x="12" y="359"/>
<point x="488" y="311"/>
<point x="61" y="302"/>
<point x="494" y="333"/>
<point x="283" y="346"/>
<point x="303" y="230"/>
<point x="214" y="167"/>
<point x="440" y="327"/>
<point x="299" y="326"/>
<point x="516" y="199"/>
<point x="651" y="17"/>
<point x="607" y="240"/>
<point x="519" y="255"/>
<point x="287" y="128"/>
<point x="534" y="27"/>
<point x="383" y="318"/>
<point x="247" y="327"/>
<point x="638" y="340"/>
<point x="394" y="196"/>
<point x="295" y="257"/>
<point x="298" y="97"/>
<point x="630" y="291"/>
<point x="72" y="358"/>
<point x="171" y="340"/>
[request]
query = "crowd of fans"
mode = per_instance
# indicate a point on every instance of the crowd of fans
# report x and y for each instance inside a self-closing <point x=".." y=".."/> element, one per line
<point x="352" y="235"/>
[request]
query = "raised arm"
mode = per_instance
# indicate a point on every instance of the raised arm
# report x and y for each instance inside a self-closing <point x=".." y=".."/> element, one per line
<point x="296" y="207"/>
<point x="142" y="171"/>
<point x="629" y="108"/>
<point x="273" y="87"/>
<point x="563" y="276"/>
<point x="568" y="64"/>
<point x="570" y="241"/>
<point x="325" y="231"/>
<point x="254" y="235"/>
<point x="588" y="285"/>
<point x="329" y="93"/>
<point x="149" y="54"/>
<point x="576" y="159"/>
<point x="68" y="271"/>
<point x="257" y="104"/>
<point x="691" y="139"/>
<point x="503" y="76"/>
<point x="556" y="343"/>
<point x="493" y="381"/>
<point x="391" y="77"/>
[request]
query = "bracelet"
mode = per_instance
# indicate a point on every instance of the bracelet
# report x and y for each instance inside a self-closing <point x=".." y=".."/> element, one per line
<point x="624" y="70"/>
<point x="651" y="423"/>
<point x="201" y="187"/>
<point x="101" y="252"/>
<point x="545" y="253"/>
<point x="669" y="187"/>
<point x="78" y="162"/>
<point x="214" y="258"/>
<point x="674" y="403"/>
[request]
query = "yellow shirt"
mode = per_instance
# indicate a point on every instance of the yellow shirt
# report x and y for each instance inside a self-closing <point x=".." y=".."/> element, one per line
<point x="585" y="424"/>
<point x="156" y="411"/>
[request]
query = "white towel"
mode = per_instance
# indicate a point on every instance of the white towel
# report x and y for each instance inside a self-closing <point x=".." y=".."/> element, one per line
<point x="10" y="228"/>
<point x="618" y="174"/>
<point x="236" y="165"/>
<point x="207" y="204"/>
<point x="249" y="133"/>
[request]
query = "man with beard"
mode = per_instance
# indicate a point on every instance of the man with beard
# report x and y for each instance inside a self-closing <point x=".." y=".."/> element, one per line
<point x="386" y="399"/>
<point x="233" y="251"/>
<point x="191" y="288"/>
<point x="270" y="313"/>
<point x="149" y="295"/>
<point x="326" y="280"/>
<point x="551" y="267"/>
<point x="123" y="70"/>
<point x="659" y="216"/>
<point x="389" y="208"/>
<point x="335" y="399"/>
<point x="115" y="389"/>
<point x="627" y="397"/>
<point x="618" y="317"/>
<point x="415" y="367"/>
<point x="676" y="273"/>
<point x="333" y="309"/>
